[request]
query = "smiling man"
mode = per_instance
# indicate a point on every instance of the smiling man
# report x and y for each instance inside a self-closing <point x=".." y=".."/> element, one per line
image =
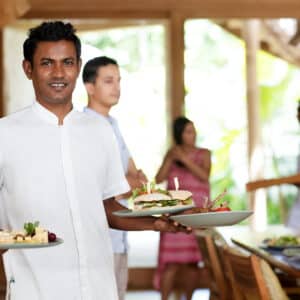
<point x="62" y="168"/>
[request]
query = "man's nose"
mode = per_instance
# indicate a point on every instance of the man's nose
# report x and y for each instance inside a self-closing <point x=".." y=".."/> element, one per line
<point x="58" y="70"/>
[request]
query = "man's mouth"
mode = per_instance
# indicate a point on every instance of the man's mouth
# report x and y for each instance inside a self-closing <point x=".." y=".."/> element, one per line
<point x="58" y="85"/>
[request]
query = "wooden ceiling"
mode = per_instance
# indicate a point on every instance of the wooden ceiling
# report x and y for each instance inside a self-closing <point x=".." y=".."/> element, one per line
<point x="174" y="11"/>
<point x="12" y="9"/>
<point x="163" y="8"/>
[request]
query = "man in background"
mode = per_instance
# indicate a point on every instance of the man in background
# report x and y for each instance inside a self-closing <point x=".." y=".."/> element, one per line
<point x="294" y="215"/>
<point x="101" y="76"/>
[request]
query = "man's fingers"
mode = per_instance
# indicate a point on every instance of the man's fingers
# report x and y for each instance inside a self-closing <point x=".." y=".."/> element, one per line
<point x="165" y="224"/>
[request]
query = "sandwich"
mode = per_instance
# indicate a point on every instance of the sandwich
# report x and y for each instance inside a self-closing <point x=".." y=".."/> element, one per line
<point x="159" y="198"/>
<point x="182" y="197"/>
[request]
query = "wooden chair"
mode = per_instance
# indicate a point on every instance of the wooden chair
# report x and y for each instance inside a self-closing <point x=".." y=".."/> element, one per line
<point x="251" y="277"/>
<point x="219" y="284"/>
<point x="287" y="275"/>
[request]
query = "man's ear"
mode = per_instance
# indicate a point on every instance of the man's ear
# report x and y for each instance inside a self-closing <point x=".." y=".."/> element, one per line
<point x="79" y="65"/>
<point x="27" y="67"/>
<point x="89" y="88"/>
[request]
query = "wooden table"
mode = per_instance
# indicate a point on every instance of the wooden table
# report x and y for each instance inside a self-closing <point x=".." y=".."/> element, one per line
<point x="275" y="258"/>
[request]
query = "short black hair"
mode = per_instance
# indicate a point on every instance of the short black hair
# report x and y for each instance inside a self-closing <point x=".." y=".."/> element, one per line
<point x="179" y="125"/>
<point x="50" y="32"/>
<point x="90" y="69"/>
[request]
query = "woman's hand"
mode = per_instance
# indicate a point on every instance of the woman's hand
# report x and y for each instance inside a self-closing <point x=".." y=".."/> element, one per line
<point x="178" y="154"/>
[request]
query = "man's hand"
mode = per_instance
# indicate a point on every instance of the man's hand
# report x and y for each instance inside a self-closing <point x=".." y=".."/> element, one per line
<point x="164" y="224"/>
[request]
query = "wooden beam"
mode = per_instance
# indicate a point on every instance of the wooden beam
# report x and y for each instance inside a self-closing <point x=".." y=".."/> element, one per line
<point x="188" y="8"/>
<point x="265" y="183"/>
<point x="92" y="14"/>
<point x="273" y="39"/>
<point x="10" y="10"/>
<point x="176" y="65"/>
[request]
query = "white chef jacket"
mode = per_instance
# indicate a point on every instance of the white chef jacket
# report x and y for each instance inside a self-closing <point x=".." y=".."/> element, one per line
<point x="59" y="175"/>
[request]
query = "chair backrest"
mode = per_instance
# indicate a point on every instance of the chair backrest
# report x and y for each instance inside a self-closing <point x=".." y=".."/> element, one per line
<point x="219" y="284"/>
<point x="251" y="277"/>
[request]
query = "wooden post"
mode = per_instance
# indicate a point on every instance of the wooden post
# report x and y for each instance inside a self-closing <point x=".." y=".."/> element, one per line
<point x="175" y="48"/>
<point x="257" y="199"/>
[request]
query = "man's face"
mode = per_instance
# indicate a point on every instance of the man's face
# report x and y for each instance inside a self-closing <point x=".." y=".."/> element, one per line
<point x="106" y="89"/>
<point x="54" y="72"/>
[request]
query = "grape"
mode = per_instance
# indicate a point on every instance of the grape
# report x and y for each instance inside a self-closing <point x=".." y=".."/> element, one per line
<point x="51" y="237"/>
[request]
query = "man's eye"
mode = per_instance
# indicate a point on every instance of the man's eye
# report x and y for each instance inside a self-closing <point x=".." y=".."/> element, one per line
<point x="69" y="62"/>
<point x="46" y="63"/>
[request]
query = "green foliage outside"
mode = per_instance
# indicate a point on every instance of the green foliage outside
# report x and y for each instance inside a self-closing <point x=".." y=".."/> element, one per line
<point x="219" y="59"/>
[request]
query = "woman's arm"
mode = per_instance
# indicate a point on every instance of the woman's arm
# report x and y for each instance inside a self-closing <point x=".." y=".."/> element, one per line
<point x="202" y="172"/>
<point x="164" y="169"/>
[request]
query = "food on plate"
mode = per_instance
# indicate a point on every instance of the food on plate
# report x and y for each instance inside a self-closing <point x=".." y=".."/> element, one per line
<point x="182" y="197"/>
<point x="32" y="233"/>
<point x="154" y="198"/>
<point x="282" y="241"/>
<point x="6" y="237"/>
<point x="222" y="207"/>
<point x="197" y="210"/>
<point x="216" y="205"/>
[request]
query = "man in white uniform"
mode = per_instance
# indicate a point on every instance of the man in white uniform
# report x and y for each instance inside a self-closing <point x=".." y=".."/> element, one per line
<point x="56" y="166"/>
<point x="101" y="76"/>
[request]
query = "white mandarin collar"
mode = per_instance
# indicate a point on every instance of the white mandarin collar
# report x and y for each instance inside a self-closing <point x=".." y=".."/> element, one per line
<point x="49" y="116"/>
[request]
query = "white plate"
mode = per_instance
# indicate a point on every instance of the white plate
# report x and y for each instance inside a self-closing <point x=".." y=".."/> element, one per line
<point x="279" y="248"/>
<point x="212" y="219"/>
<point x="128" y="213"/>
<point x="30" y="245"/>
<point x="292" y="252"/>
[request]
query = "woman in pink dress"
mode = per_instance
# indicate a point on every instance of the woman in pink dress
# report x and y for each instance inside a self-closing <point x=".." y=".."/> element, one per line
<point x="177" y="252"/>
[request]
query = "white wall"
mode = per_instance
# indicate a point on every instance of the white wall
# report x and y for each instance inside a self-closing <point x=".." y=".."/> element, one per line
<point x="18" y="91"/>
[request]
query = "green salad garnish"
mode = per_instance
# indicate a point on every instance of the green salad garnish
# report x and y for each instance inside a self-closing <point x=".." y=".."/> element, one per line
<point x="30" y="227"/>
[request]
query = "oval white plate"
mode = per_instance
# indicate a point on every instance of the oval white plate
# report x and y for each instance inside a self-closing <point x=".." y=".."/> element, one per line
<point x="292" y="252"/>
<point x="30" y="245"/>
<point x="212" y="219"/>
<point x="128" y="213"/>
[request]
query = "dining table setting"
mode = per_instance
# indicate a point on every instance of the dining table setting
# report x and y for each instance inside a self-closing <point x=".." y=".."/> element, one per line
<point x="281" y="251"/>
